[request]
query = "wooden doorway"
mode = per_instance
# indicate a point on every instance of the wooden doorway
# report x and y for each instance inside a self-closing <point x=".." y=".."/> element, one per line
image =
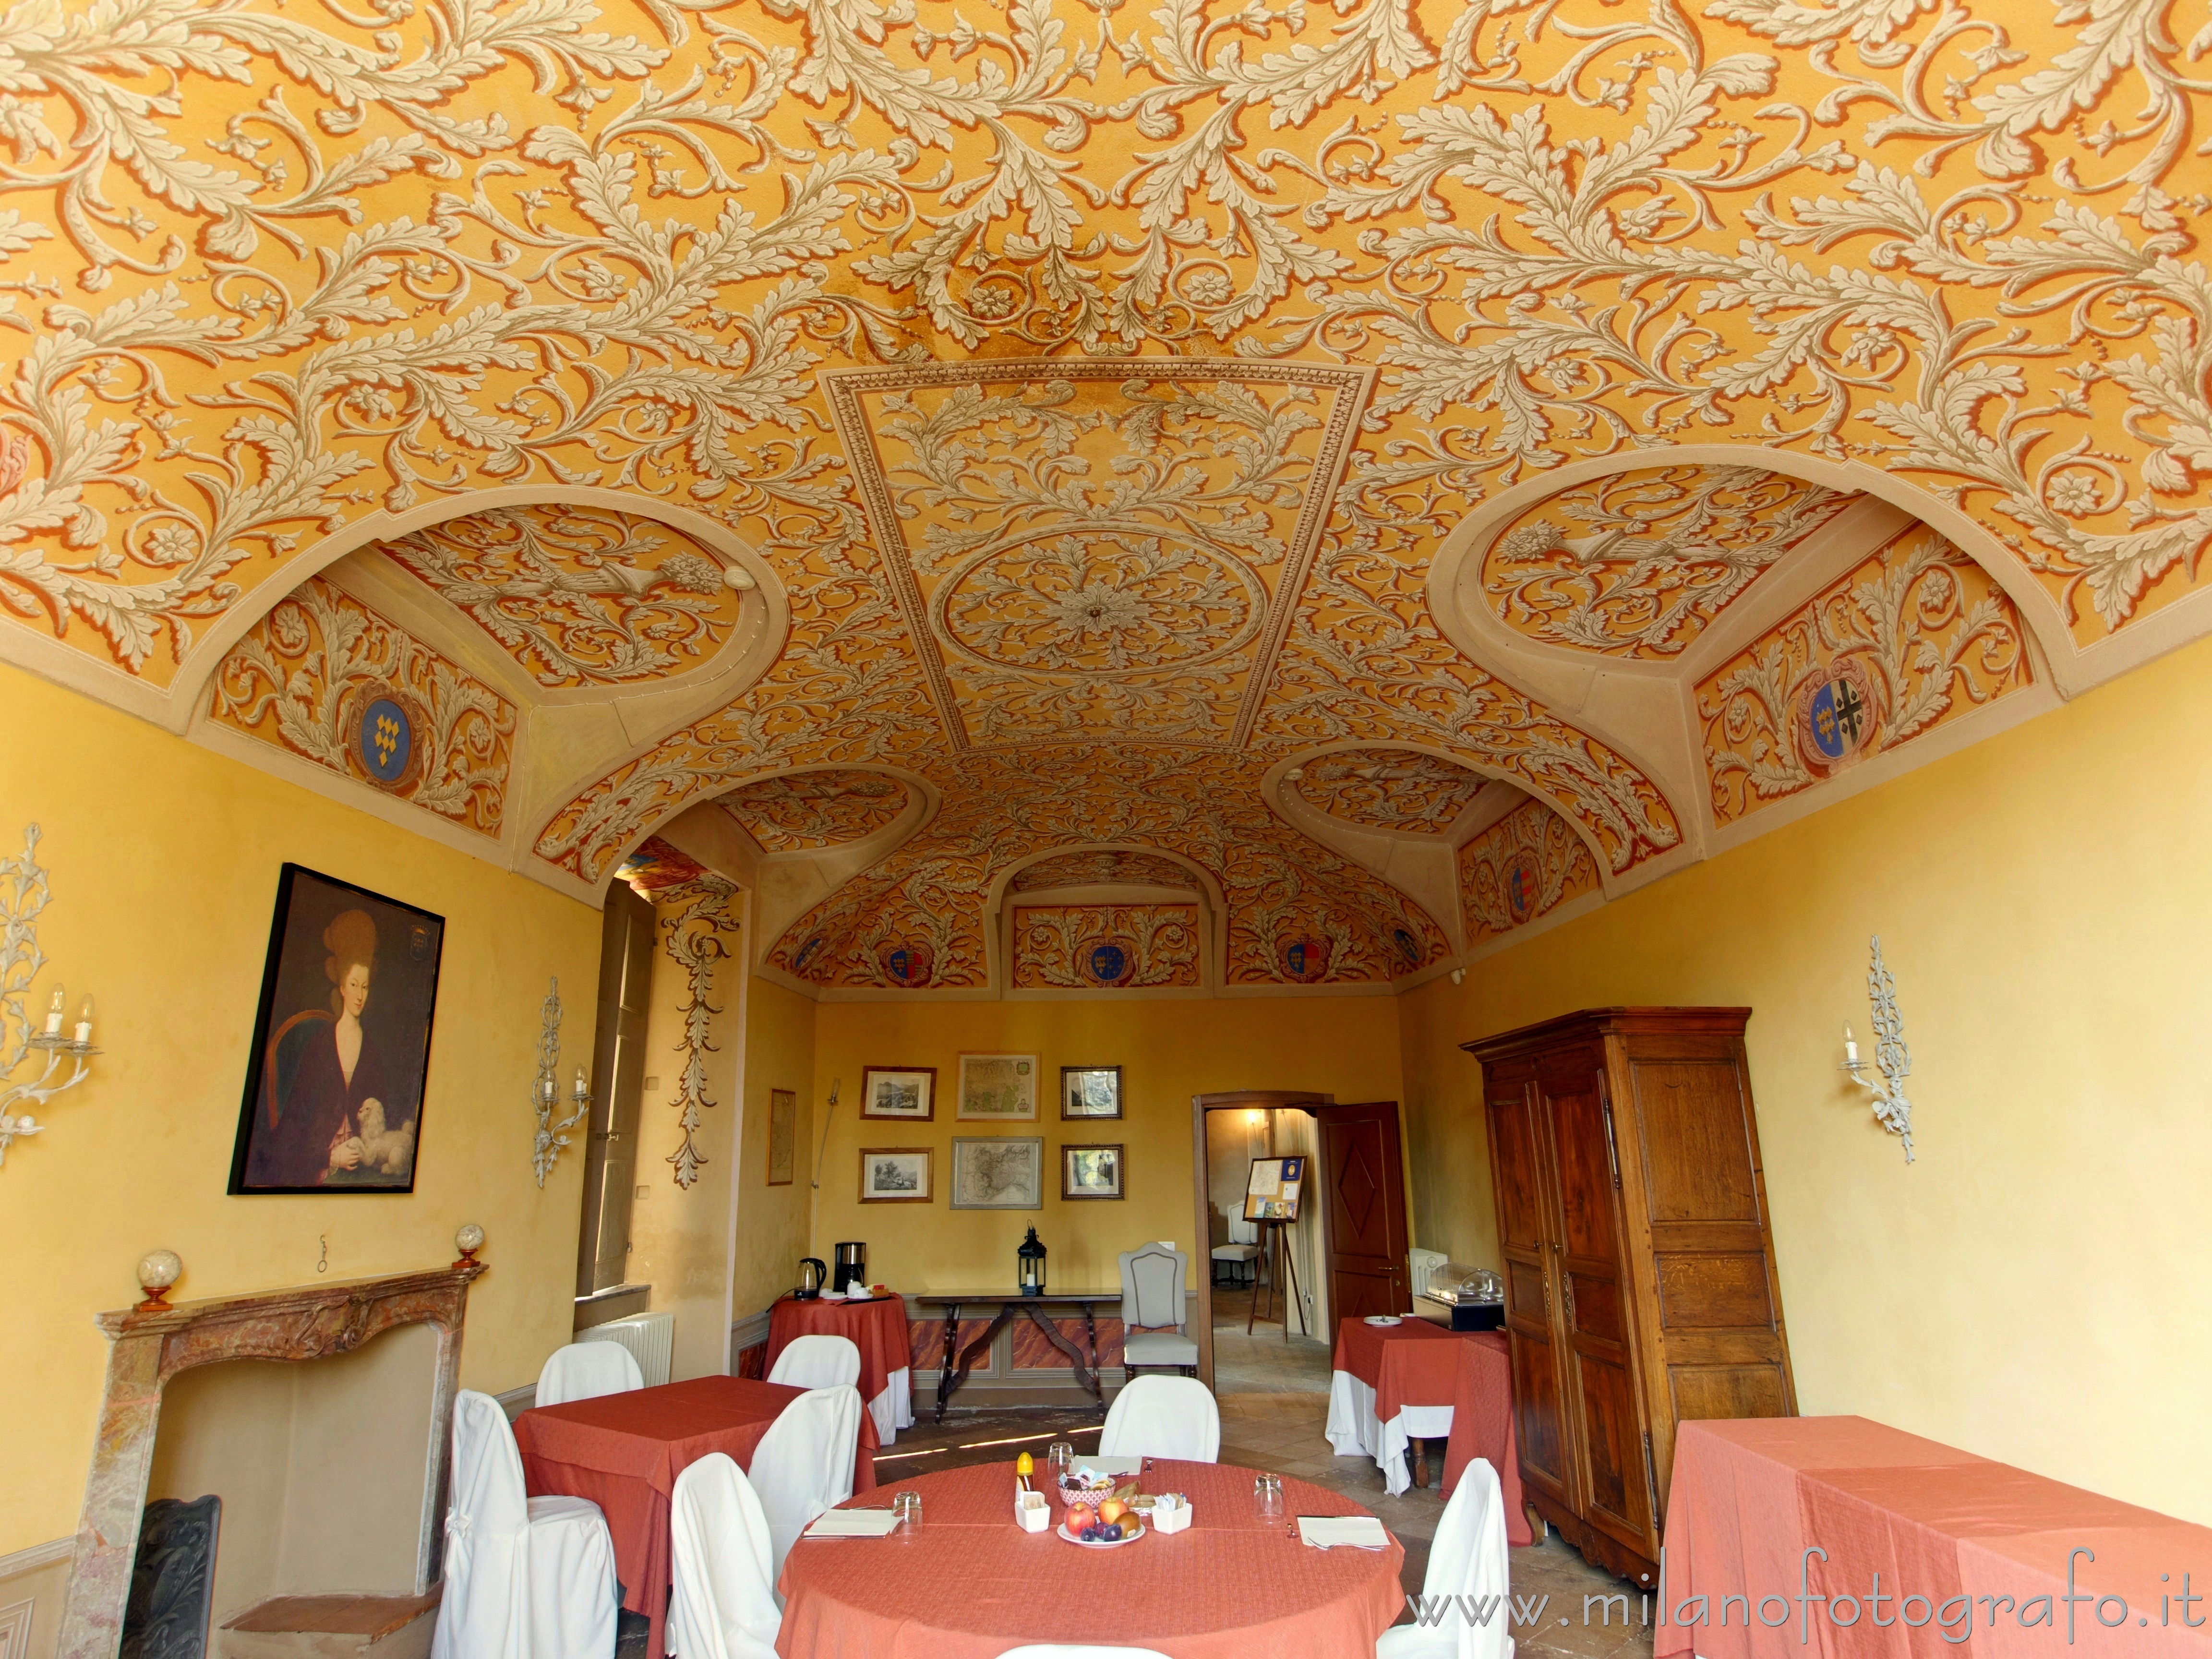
<point x="1363" y="1186"/>
<point x="1201" y="1264"/>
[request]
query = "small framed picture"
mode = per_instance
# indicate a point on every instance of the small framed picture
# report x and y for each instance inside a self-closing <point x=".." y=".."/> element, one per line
<point x="1090" y="1091"/>
<point x="896" y="1175"/>
<point x="782" y="1127"/>
<point x="1090" y="1171"/>
<point x="900" y="1091"/>
<point x="1001" y="1173"/>
<point x="997" y="1088"/>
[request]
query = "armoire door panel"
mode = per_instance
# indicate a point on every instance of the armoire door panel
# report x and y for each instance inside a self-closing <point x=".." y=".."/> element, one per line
<point x="1524" y="1292"/>
<point x="1705" y="1292"/>
<point x="1539" y="1423"/>
<point x="1519" y="1182"/>
<point x="1703" y="1392"/>
<point x="1612" y="1450"/>
<point x="1697" y="1158"/>
<point x="1588" y="1198"/>
<point x="1593" y="1307"/>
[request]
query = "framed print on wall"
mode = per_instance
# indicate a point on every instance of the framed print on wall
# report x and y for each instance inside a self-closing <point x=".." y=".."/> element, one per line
<point x="899" y="1091"/>
<point x="782" y="1132"/>
<point x="897" y="1175"/>
<point x="1091" y="1171"/>
<point x="1090" y="1091"/>
<point x="1000" y="1173"/>
<point x="999" y="1087"/>
<point x="341" y="1054"/>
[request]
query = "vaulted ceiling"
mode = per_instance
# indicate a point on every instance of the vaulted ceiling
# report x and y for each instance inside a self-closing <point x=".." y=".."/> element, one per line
<point x="1354" y="480"/>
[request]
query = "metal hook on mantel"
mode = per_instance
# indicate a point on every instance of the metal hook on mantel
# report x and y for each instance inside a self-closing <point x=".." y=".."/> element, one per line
<point x="1891" y="1055"/>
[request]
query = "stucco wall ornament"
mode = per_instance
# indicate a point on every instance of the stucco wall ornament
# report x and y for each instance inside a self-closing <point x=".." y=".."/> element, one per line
<point x="23" y="895"/>
<point x="551" y="1137"/>
<point x="1890" y="1054"/>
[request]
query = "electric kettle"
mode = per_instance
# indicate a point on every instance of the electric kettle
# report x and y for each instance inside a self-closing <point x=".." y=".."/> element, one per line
<point x="813" y="1274"/>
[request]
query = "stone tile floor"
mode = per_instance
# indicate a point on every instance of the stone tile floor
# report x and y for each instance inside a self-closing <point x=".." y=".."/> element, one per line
<point x="1280" y="1429"/>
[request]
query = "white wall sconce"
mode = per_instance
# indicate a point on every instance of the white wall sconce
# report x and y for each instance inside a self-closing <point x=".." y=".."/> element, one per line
<point x="545" y="1150"/>
<point x="1891" y="1057"/>
<point x="23" y="895"/>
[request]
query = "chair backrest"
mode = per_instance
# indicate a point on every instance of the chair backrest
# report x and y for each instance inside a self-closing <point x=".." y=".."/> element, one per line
<point x="1152" y="1280"/>
<point x="485" y="1609"/>
<point x="1466" y="1558"/>
<point x="1242" y="1232"/>
<point x="585" y="1371"/>
<point x="1163" y="1417"/>
<point x="804" y="1464"/>
<point x="817" y="1362"/>
<point x="724" y="1604"/>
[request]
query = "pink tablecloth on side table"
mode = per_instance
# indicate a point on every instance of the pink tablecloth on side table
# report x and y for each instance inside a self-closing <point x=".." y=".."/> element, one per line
<point x="971" y="1584"/>
<point x="877" y="1328"/>
<point x="623" y="1452"/>
<point x="1749" y="1499"/>
<point x="1482" y="1424"/>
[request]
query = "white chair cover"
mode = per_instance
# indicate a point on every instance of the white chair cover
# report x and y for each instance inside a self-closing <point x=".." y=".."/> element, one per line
<point x="585" y="1371"/>
<point x="724" y="1606"/>
<point x="817" y="1362"/>
<point x="1467" y="1562"/>
<point x="525" y="1578"/>
<point x="1085" y="1650"/>
<point x="804" y="1464"/>
<point x="1163" y="1417"/>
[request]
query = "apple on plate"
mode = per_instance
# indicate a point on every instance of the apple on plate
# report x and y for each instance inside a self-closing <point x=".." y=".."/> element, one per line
<point x="1081" y="1516"/>
<point x="1112" y="1510"/>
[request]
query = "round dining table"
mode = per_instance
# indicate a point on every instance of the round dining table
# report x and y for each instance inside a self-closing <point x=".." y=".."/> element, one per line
<point x="969" y="1582"/>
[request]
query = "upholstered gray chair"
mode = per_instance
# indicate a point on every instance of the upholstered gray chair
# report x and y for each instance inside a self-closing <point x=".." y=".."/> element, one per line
<point x="1153" y="1276"/>
<point x="1242" y="1253"/>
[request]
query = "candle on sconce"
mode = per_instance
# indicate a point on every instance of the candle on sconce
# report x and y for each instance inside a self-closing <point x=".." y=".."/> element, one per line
<point x="54" y="1013"/>
<point x="1850" y="1047"/>
<point x="583" y="1090"/>
<point x="546" y="1090"/>
<point x="84" y="1022"/>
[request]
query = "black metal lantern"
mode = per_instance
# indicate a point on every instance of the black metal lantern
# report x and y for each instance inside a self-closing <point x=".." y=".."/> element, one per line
<point x="1030" y="1259"/>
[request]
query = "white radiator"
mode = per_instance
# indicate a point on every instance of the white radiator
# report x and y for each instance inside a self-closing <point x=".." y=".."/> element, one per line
<point x="649" y="1336"/>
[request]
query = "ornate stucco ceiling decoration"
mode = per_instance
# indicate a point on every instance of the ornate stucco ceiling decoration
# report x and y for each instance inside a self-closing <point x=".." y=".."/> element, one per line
<point x="1093" y="380"/>
<point x="1094" y="549"/>
<point x="1106" y="947"/>
<point x="1399" y="789"/>
<point x="580" y="596"/>
<point x="1524" y="867"/>
<point x="807" y="811"/>
<point x="1638" y="563"/>
<point x="1099" y="869"/>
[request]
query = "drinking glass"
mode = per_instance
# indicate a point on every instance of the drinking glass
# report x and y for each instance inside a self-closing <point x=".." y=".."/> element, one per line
<point x="1267" y="1496"/>
<point x="1060" y="1458"/>
<point x="907" y="1506"/>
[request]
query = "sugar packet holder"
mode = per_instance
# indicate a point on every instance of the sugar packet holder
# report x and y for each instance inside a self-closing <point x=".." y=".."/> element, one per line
<point x="1031" y="1512"/>
<point x="1171" y="1512"/>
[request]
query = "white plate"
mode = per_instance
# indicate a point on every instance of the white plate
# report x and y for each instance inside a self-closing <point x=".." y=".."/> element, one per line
<point x="1385" y="1319"/>
<point x="1096" y="1543"/>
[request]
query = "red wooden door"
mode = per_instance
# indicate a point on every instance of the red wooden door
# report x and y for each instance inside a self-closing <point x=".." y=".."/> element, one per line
<point x="1364" y="1175"/>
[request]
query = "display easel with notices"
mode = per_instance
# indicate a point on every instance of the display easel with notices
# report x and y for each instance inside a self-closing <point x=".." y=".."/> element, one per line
<point x="1271" y="1202"/>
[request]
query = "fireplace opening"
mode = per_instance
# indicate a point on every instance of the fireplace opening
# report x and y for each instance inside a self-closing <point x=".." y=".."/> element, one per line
<point x="321" y="1465"/>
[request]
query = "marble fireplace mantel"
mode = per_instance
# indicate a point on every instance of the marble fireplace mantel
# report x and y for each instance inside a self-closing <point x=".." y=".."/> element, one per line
<point x="300" y="1322"/>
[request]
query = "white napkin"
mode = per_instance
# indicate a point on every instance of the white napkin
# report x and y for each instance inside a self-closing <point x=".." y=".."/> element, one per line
<point x="1110" y="1465"/>
<point x="1329" y="1532"/>
<point x="852" y="1523"/>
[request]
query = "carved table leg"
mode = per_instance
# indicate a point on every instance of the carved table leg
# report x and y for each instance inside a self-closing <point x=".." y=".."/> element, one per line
<point x="968" y="1355"/>
<point x="1090" y="1331"/>
<point x="1421" y="1451"/>
<point x="1084" y="1375"/>
<point x="945" y="1383"/>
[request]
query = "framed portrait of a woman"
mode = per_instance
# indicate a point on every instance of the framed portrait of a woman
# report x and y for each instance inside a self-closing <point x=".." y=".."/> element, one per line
<point x="334" y="1081"/>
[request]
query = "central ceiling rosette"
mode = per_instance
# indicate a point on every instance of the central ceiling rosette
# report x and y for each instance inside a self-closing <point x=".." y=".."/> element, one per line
<point x="1099" y="550"/>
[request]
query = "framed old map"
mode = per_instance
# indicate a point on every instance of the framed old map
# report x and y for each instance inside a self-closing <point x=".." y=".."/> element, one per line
<point x="1002" y="1173"/>
<point x="997" y="1088"/>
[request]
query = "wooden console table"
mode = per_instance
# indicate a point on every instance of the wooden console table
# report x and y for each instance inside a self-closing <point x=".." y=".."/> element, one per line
<point x="959" y="1361"/>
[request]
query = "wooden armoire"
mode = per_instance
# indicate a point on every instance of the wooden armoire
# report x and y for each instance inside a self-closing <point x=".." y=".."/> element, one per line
<point x="1640" y="1287"/>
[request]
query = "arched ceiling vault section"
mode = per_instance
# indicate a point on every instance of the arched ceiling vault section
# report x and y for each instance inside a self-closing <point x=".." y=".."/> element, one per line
<point x="1419" y="866"/>
<point x="280" y="685"/>
<point x="1147" y="893"/>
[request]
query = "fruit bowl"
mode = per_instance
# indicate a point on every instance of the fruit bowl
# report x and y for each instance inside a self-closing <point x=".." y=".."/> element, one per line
<point x="1099" y="1543"/>
<point x="1076" y="1488"/>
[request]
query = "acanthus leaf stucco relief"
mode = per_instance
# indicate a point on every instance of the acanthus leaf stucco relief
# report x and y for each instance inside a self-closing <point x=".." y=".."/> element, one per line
<point x="322" y="666"/>
<point x="1391" y="789"/>
<point x="1083" y="378"/>
<point x="693" y="910"/>
<point x="1107" y="868"/>
<point x="808" y="811"/>
<point x="1528" y="863"/>
<point x="1915" y="636"/>
<point x="1088" y="947"/>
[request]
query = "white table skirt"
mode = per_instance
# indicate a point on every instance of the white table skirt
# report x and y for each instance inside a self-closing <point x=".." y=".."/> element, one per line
<point x="1353" y="1428"/>
<point x="893" y="1409"/>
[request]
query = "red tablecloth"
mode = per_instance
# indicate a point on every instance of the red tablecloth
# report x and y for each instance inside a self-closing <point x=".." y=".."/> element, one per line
<point x="972" y="1583"/>
<point x="877" y="1326"/>
<point x="1482" y="1424"/>
<point x="624" y="1451"/>
<point x="1411" y="1363"/>
<point x="1749" y="1498"/>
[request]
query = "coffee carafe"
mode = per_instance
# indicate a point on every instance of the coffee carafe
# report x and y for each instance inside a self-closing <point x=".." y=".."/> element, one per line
<point x="812" y="1274"/>
<point x="852" y="1267"/>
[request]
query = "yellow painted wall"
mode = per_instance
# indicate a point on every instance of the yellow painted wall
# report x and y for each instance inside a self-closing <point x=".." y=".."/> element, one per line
<point x="2032" y="1289"/>
<point x="773" y="1223"/>
<point x="1168" y="1051"/>
<point x="164" y="859"/>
